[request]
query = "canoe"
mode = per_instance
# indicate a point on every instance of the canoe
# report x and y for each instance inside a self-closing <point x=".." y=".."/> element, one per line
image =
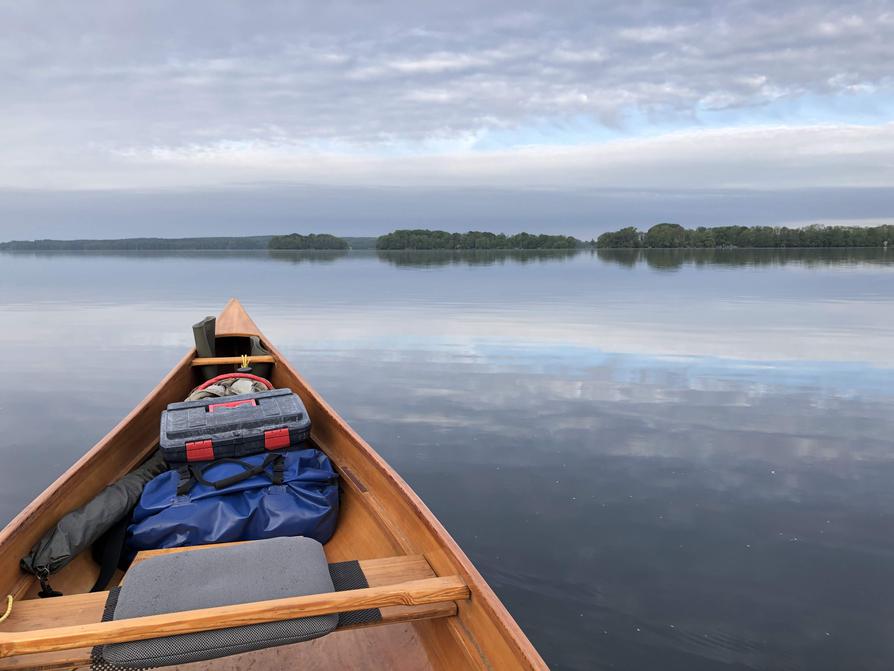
<point x="436" y="609"/>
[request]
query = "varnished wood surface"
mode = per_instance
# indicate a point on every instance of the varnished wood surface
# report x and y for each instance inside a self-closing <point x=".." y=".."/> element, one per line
<point x="234" y="321"/>
<point x="380" y="517"/>
<point x="221" y="360"/>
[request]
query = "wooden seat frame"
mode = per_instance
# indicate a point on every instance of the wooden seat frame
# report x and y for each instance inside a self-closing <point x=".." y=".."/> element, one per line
<point x="402" y="588"/>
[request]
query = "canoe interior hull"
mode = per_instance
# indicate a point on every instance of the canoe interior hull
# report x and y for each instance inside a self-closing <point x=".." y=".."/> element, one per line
<point x="380" y="517"/>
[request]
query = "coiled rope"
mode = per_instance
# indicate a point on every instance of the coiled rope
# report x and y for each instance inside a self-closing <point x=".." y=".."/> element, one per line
<point x="8" y="608"/>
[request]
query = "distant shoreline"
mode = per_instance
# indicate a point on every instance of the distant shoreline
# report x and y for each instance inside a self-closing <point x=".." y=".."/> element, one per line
<point x="736" y="249"/>
<point x="660" y="236"/>
<point x="399" y="240"/>
<point x="267" y="249"/>
<point x="312" y="242"/>
<point x="197" y="250"/>
<point x="674" y="236"/>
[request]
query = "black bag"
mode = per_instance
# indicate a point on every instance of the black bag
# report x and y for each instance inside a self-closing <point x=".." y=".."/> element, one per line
<point x="77" y="530"/>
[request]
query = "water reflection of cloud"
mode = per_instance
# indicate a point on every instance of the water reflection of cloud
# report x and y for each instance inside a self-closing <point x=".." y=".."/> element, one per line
<point x="761" y="331"/>
<point x="521" y="336"/>
<point x="596" y="410"/>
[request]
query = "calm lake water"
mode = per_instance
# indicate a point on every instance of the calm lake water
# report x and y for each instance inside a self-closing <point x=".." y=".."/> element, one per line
<point x="667" y="461"/>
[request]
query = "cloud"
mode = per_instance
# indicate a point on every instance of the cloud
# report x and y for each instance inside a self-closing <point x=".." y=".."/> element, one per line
<point x="562" y="96"/>
<point x="162" y="72"/>
<point x="756" y="158"/>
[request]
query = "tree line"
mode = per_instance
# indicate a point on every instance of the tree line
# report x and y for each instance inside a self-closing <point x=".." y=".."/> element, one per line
<point x="669" y="236"/>
<point x="138" y="244"/>
<point x="426" y="239"/>
<point x="273" y="242"/>
<point x="311" y="241"/>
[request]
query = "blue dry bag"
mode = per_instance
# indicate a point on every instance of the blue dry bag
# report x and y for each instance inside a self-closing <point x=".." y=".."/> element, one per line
<point x="292" y="493"/>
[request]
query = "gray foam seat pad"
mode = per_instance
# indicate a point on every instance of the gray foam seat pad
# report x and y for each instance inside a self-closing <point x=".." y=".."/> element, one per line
<point x="255" y="571"/>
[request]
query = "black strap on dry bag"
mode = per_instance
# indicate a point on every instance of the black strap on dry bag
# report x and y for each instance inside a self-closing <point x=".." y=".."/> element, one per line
<point x="108" y="551"/>
<point x="193" y="473"/>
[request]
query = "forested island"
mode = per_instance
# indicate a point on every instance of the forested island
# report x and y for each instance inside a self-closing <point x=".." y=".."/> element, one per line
<point x="312" y="241"/>
<point x="426" y="239"/>
<point x="672" y="236"/>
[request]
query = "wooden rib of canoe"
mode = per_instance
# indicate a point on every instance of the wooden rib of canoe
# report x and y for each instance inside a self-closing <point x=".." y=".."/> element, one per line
<point x="437" y="610"/>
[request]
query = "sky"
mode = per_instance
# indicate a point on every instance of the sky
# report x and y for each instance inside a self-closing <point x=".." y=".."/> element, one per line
<point x="227" y="118"/>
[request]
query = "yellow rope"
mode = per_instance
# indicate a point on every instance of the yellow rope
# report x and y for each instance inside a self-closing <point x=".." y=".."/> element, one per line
<point x="245" y="360"/>
<point x="8" y="608"/>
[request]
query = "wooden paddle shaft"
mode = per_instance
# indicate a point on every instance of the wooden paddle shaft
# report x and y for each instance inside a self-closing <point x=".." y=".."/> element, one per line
<point x="413" y="593"/>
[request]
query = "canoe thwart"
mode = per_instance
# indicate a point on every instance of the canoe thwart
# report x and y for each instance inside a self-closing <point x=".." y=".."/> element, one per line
<point x="223" y="360"/>
<point x="412" y="593"/>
